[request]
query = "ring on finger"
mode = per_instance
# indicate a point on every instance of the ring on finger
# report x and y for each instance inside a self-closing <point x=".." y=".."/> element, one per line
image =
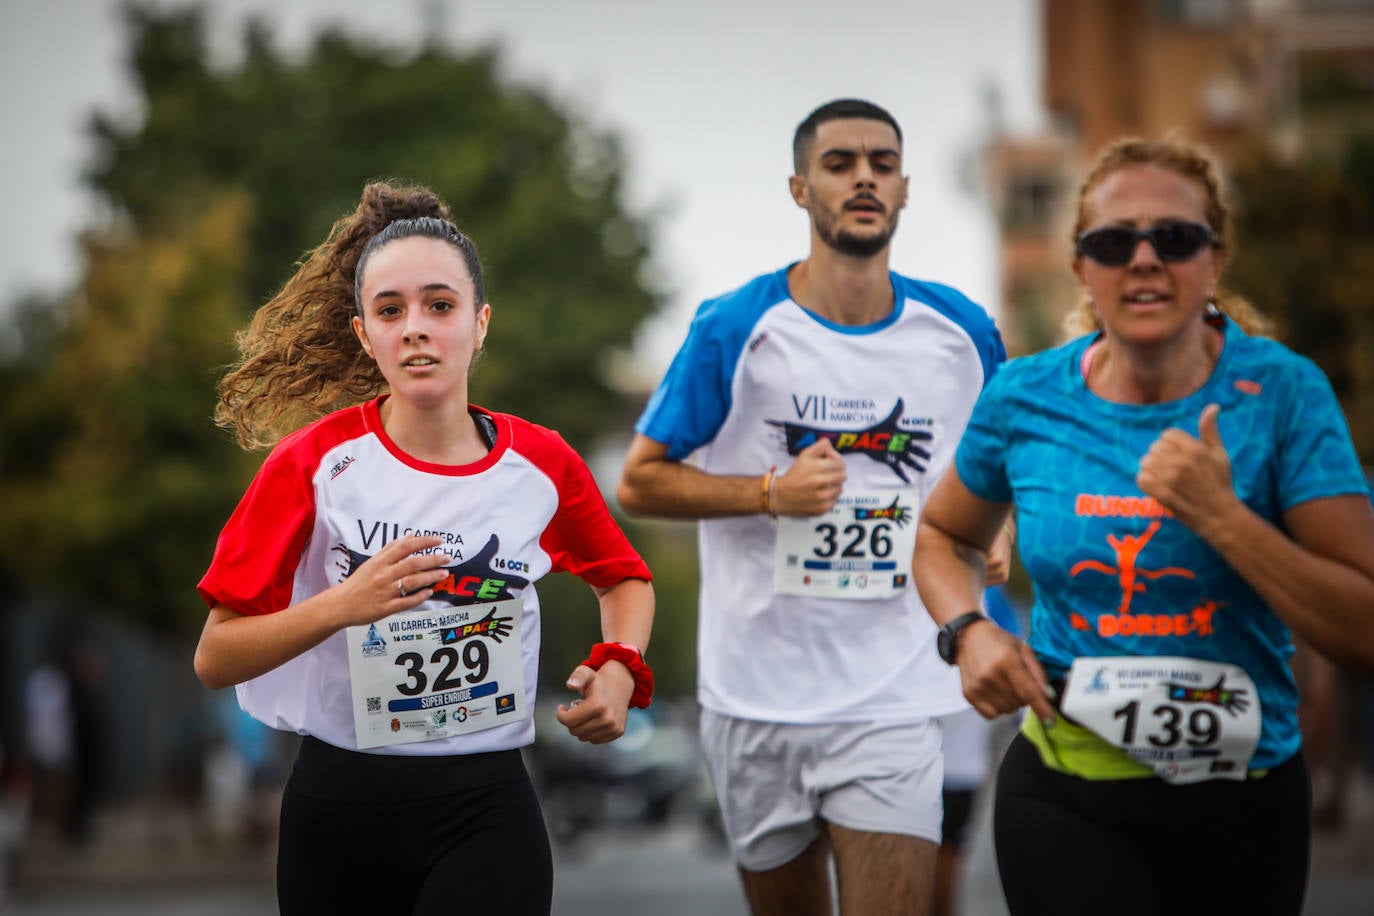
<point x="400" y="587"/>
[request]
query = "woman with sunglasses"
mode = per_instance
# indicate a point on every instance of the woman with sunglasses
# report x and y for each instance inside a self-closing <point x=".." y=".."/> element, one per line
<point x="1187" y="495"/>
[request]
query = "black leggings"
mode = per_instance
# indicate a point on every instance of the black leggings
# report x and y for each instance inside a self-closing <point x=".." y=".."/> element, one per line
<point x="1141" y="846"/>
<point x="411" y="836"/>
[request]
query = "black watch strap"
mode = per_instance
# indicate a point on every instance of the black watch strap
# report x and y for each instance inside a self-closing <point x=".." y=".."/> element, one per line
<point x="947" y="640"/>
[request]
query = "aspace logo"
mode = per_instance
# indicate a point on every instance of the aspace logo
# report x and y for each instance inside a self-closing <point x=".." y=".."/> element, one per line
<point x="472" y="581"/>
<point x="884" y="441"/>
<point x="1228" y="698"/>
<point x="893" y="513"/>
<point x="374" y="644"/>
<point x="493" y="627"/>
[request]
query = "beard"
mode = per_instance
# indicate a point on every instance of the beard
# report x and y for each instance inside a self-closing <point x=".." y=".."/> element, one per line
<point x="853" y="244"/>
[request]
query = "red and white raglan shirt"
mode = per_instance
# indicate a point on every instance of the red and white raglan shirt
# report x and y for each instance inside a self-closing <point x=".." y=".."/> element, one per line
<point x="332" y="494"/>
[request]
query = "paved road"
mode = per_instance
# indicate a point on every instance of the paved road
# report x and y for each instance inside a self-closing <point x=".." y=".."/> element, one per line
<point x="669" y="874"/>
<point x="672" y="872"/>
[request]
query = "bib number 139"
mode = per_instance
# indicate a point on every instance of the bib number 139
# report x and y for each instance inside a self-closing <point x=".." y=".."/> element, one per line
<point x="1188" y="719"/>
<point x="1167" y="725"/>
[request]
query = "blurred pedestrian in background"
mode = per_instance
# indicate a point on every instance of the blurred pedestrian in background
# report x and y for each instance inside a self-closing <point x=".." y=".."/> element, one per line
<point x="65" y="739"/>
<point x="244" y="774"/>
<point x="969" y="744"/>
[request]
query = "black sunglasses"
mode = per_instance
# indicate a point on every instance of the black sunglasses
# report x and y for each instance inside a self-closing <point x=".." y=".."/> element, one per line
<point x="1173" y="240"/>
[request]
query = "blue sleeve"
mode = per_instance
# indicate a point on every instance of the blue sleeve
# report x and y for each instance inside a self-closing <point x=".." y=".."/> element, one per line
<point x="1316" y="455"/>
<point x="981" y="458"/>
<point x="691" y="403"/>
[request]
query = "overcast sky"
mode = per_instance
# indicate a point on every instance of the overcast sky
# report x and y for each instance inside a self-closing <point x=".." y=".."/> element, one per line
<point x="705" y="94"/>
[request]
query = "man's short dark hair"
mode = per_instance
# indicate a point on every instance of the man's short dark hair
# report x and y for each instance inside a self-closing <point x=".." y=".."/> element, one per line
<point x="835" y="111"/>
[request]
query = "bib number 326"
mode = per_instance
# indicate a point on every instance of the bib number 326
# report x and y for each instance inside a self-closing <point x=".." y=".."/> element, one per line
<point x="860" y="549"/>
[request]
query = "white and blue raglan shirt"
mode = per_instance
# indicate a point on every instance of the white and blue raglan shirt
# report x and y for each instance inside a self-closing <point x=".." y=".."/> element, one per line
<point x="757" y="380"/>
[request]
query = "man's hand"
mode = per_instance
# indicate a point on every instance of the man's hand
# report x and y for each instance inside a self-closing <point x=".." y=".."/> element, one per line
<point x="812" y="484"/>
<point x="999" y="559"/>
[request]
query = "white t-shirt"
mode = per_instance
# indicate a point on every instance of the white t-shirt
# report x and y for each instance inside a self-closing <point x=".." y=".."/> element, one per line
<point x="331" y="495"/>
<point x="757" y="380"/>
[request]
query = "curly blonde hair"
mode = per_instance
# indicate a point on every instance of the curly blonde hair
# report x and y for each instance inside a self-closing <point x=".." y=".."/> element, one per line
<point x="299" y="358"/>
<point x="1192" y="163"/>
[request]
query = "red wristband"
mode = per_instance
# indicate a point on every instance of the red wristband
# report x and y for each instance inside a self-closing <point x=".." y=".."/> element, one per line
<point x="631" y="658"/>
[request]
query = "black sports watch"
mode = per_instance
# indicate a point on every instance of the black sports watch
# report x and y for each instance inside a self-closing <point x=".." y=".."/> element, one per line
<point x="947" y="640"/>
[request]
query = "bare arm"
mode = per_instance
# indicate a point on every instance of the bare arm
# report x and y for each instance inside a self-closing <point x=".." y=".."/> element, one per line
<point x="627" y="615"/>
<point x="654" y="484"/>
<point x="627" y="612"/>
<point x="1319" y="577"/>
<point x="1320" y="580"/>
<point x="999" y="555"/>
<point x="999" y="672"/>
<point x="236" y="647"/>
<point x="950" y="563"/>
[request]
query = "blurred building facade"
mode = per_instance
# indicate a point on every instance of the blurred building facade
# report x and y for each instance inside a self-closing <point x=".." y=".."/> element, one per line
<point x="1294" y="75"/>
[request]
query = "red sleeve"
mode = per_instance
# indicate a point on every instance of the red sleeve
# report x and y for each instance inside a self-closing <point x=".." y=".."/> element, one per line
<point x="256" y="556"/>
<point x="582" y="537"/>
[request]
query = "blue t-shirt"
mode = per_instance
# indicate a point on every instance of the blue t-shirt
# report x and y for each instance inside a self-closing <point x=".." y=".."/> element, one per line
<point x="1114" y="572"/>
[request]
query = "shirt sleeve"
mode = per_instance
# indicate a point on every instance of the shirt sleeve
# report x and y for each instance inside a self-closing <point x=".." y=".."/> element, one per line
<point x="255" y="560"/>
<point x="1316" y="455"/>
<point x="583" y="538"/>
<point x="981" y="458"/>
<point x="690" y="404"/>
<point x="970" y="316"/>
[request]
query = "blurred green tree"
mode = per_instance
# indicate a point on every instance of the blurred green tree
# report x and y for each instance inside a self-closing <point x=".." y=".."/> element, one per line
<point x="112" y="473"/>
<point x="1305" y="256"/>
<point x="114" y="481"/>
<point x="538" y="188"/>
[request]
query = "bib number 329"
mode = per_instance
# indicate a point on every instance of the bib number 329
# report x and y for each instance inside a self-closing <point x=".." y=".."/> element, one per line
<point x="430" y="674"/>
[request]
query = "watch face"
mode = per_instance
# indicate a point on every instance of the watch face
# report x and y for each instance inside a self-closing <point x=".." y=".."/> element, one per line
<point x="944" y="644"/>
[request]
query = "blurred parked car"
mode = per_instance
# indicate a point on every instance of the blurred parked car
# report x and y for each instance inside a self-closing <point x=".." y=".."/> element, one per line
<point x="640" y="778"/>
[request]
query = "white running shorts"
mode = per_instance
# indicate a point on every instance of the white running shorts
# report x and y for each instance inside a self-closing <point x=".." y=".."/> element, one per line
<point x="777" y="783"/>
